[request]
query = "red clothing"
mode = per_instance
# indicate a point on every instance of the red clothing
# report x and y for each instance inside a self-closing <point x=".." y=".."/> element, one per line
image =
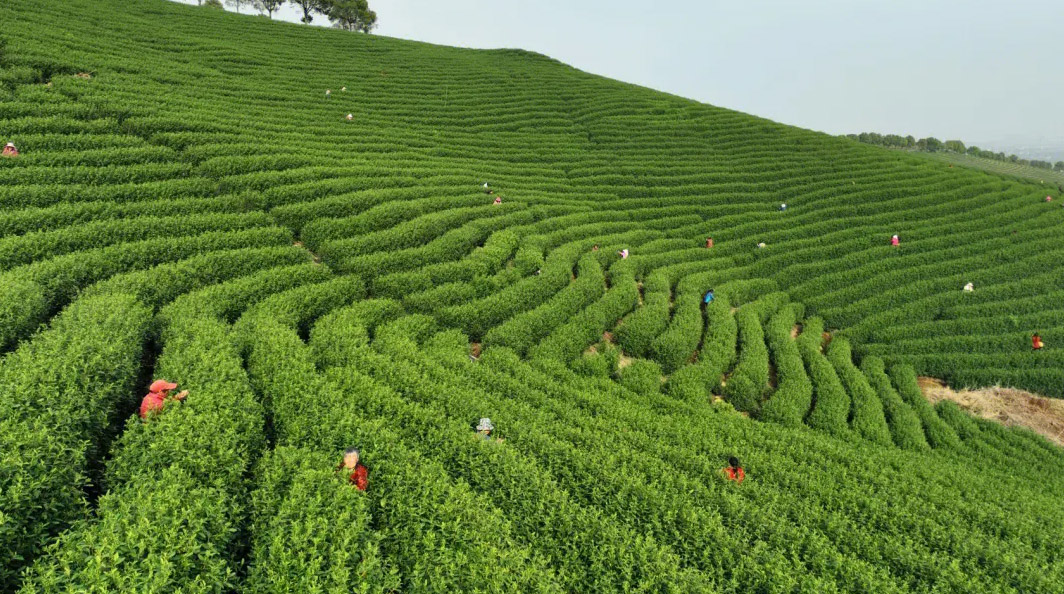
<point x="360" y="477"/>
<point x="734" y="474"/>
<point x="9" y="152"/>
<point x="1036" y="342"/>
<point x="152" y="403"/>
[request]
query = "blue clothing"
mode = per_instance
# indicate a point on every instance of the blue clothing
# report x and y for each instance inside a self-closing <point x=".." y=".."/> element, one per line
<point x="708" y="298"/>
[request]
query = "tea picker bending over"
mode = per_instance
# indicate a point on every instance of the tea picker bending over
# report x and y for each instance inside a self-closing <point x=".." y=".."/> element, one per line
<point x="155" y="399"/>
<point x="734" y="472"/>
<point x="485" y="428"/>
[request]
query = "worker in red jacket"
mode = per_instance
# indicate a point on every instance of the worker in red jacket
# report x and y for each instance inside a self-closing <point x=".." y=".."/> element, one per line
<point x="1036" y="342"/>
<point x="359" y="475"/>
<point x="709" y="242"/>
<point x="155" y="400"/>
<point x="734" y="472"/>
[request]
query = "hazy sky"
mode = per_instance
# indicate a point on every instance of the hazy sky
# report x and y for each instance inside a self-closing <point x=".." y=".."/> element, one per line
<point x="983" y="71"/>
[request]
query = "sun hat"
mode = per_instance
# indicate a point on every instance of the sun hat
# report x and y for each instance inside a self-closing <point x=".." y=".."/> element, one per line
<point x="161" y="386"/>
<point x="485" y="425"/>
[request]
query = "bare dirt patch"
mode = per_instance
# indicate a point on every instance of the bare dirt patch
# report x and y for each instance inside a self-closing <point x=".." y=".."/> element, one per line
<point x="1010" y="407"/>
<point x="315" y="257"/>
<point x="795" y="330"/>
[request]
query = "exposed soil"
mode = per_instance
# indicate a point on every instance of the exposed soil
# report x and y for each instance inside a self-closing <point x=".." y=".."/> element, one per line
<point x="825" y="340"/>
<point x="315" y="257"/>
<point x="794" y="331"/>
<point x="1010" y="407"/>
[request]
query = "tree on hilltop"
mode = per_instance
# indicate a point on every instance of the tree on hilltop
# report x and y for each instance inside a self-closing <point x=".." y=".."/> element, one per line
<point x="268" y="6"/>
<point x="237" y="4"/>
<point x="351" y="15"/>
<point x="310" y="7"/>
<point x="955" y="146"/>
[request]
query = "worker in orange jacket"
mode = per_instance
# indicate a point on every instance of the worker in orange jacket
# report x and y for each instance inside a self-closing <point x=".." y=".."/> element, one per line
<point x="1036" y="342"/>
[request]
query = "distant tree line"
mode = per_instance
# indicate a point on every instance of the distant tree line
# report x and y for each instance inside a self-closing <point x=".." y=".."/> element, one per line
<point x="934" y="145"/>
<point x="349" y="15"/>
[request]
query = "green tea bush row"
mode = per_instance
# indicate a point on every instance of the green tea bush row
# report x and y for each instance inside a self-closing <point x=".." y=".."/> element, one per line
<point x="442" y="249"/>
<point x="567" y="341"/>
<point x="386" y="216"/>
<point x="36" y="247"/>
<point x="29" y="220"/>
<point x="476" y="318"/>
<point x="642" y="377"/>
<point x="938" y="433"/>
<point x="831" y="404"/>
<point x="61" y="394"/>
<point x="464" y="545"/>
<point x="484" y="260"/>
<point x="47" y="194"/>
<point x="718" y="353"/>
<point x="793" y="398"/>
<point x="162" y="284"/>
<point x="526" y="329"/>
<point x="905" y="425"/>
<point x="638" y="330"/>
<point x="313" y="532"/>
<point x="177" y="487"/>
<point x="531" y="499"/>
<point x="226" y="301"/>
<point x="748" y="383"/>
<point x="867" y="417"/>
<point x="28" y="294"/>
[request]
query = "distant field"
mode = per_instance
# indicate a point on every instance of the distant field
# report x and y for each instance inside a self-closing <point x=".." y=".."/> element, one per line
<point x="1000" y="167"/>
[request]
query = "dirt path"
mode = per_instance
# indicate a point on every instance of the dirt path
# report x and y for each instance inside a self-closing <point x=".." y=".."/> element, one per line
<point x="1044" y="416"/>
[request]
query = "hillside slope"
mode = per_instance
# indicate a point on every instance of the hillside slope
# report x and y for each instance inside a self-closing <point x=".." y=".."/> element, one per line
<point x="189" y="204"/>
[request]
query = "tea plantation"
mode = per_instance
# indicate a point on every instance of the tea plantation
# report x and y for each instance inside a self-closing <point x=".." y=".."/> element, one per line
<point x="189" y="204"/>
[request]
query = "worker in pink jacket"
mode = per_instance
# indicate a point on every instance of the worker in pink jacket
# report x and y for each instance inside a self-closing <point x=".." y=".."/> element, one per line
<point x="894" y="241"/>
<point x="155" y="399"/>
